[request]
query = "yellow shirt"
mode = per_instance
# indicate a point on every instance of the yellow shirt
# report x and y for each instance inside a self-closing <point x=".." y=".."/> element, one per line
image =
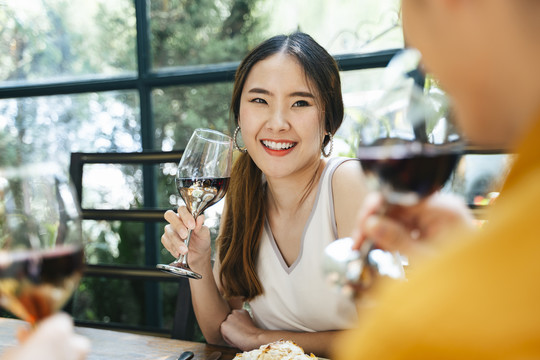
<point x="480" y="299"/>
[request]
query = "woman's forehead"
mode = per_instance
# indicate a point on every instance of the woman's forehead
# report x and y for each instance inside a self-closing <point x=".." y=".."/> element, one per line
<point x="282" y="72"/>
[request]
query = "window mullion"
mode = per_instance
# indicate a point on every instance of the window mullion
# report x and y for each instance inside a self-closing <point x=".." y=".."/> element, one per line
<point x="153" y="307"/>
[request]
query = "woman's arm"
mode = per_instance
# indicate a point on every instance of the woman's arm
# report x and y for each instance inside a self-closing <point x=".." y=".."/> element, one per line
<point x="210" y="308"/>
<point x="240" y="331"/>
<point x="349" y="190"/>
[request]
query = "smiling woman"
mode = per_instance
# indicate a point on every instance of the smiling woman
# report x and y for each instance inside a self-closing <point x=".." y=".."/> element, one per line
<point x="285" y="204"/>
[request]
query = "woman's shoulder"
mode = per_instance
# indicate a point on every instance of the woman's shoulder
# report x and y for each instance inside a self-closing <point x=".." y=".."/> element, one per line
<point x="348" y="179"/>
<point x="346" y="169"/>
<point x="348" y="190"/>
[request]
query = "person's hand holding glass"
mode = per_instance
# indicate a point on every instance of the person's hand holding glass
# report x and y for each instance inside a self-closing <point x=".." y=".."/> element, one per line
<point x="202" y="180"/>
<point x="408" y="147"/>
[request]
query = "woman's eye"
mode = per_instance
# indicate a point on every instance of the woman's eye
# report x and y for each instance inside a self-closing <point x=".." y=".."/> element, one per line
<point x="258" y="101"/>
<point x="301" y="103"/>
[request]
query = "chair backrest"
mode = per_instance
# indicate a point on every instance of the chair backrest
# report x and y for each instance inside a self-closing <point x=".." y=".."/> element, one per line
<point x="184" y="320"/>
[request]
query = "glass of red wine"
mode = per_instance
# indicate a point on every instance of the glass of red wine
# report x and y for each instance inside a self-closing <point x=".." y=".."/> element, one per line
<point x="41" y="247"/>
<point x="202" y="180"/>
<point x="408" y="148"/>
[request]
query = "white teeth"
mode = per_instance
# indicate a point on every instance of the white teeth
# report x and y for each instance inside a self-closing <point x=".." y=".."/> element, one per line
<point x="277" y="146"/>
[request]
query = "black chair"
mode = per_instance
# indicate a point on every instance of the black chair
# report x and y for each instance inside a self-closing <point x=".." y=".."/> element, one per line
<point x="184" y="324"/>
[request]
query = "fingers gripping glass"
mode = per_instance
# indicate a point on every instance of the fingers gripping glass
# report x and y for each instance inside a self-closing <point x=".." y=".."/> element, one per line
<point x="202" y="180"/>
<point x="408" y="147"/>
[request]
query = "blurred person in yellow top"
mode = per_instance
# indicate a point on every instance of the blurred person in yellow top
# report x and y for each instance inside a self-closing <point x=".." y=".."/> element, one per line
<point x="479" y="296"/>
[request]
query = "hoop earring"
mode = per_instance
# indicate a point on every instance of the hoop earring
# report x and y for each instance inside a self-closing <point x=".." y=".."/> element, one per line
<point x="235" y="140"/>
<point x="331" y="146"/>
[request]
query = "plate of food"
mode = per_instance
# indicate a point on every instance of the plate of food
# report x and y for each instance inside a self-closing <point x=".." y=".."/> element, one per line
<point x="279" y="350"/>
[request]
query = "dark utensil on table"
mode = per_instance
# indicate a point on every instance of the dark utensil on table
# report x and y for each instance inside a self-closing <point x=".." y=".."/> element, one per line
<point x="186" y="355"/>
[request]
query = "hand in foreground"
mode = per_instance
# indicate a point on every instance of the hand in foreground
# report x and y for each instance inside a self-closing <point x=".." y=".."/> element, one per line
<point x="409" y="229"/>
<point x="239" y="331"/>
<point x="177" y="231"/>
<point x="52" y="339"/>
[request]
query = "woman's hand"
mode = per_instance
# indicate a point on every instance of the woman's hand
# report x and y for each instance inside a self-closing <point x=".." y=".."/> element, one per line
<point x="52" y="339"/>
<point x="176" y="233"/>
<point x="409" y="229"/>
<point x="239" y="331"/>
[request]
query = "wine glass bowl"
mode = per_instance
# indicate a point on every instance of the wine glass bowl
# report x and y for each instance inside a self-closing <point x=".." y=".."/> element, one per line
<point x="41" y="247"/>
<point x="202" y="180"/>
<point x="408" y="148"/>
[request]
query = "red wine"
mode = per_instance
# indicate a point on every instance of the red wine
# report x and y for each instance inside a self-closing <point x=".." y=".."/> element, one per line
<point x="35" y="284"/>
<point x="201" y="193"/>
<point x="409" y="168"/>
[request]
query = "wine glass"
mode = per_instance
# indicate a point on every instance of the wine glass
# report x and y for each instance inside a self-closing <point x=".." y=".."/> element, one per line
<point x="41" y="247"/>
<point x="409" y="148"/>
<point x="202" y="180"/>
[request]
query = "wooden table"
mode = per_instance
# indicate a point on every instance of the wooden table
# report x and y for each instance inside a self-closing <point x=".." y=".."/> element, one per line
<point x="108" y="344"/>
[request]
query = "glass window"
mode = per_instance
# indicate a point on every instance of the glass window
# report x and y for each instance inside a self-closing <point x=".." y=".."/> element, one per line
<point x="208" y="31"/>
<point x="359" y="88"/>
<point x="59" y="40"/>
<point x="112" y="186"/>
<point x="179" y="110"/>
<point x="479" y="178"/>
<point x="122" y="301"/>
<point x="51" y="127"/>
<point x="202" y="32"/>
<point x="114" y="242"/>
<point x="342" y="26"/>
<point x="167" y="195"/>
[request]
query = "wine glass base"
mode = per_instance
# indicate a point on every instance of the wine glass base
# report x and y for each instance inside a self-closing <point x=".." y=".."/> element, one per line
<point x="177" y="269"/>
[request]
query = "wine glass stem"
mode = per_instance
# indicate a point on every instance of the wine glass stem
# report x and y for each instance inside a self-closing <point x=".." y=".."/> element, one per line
<point x="182" y="259"/>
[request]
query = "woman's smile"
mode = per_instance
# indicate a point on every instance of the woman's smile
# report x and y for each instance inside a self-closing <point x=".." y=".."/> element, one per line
<point x="278" y="147"/>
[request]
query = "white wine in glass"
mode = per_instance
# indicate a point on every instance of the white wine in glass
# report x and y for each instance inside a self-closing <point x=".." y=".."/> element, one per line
<point x="202" y="180"/>
<point x="41" y="247"/>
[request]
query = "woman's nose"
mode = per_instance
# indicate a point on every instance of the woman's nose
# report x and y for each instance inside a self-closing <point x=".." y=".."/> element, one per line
<point x="277" y="120"/>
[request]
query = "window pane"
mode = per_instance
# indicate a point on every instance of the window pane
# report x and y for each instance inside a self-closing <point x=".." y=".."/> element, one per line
<point x="479" y="178"/>
<point x="114" y="242"/>
<point x="112" y="186"/>
<point x="180" y="110"/>
<point x="120" y="186"/>
<point x="167" y="195"/>
<point x="359" y="88"/>
<point x="121" y="301"/>
<point x="58" y="39"/>
<point x="342" y="26"/>
<point x="217" y="31"/>
<point x="202" y="32"/>
<point x="50" y="128"/>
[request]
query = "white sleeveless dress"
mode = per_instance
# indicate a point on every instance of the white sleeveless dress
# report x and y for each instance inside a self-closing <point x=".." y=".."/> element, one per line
<point x="297" y="297"/>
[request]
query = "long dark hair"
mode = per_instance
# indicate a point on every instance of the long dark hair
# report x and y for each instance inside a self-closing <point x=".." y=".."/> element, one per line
<point x="245" y="209"/>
